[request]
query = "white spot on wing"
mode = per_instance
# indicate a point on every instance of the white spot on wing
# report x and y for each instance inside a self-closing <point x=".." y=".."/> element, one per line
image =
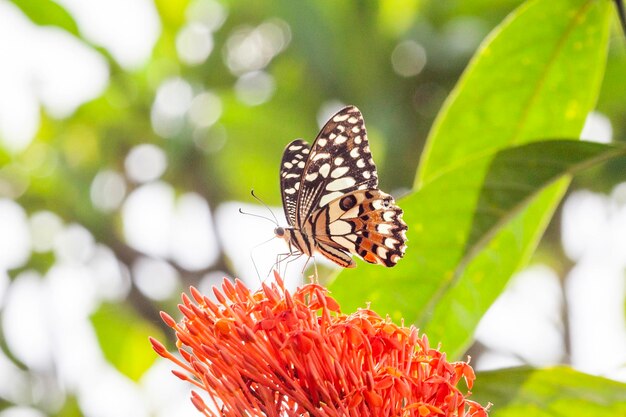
<point x="381" y="251"/>
<point x="339" y="227"/>
<point x="340" y="184"/>
<point x="383" y="228"/>
<point x="353" y="120"/>
<point x="389" y="215"/>
<point x="330" y="197"/>
<point x="356" y="129"/>
<point x="288" y="165"/>
<point x="390" y="242"/>
<point x="338" y="172"/>
<point x="360" y="163"/>
<point x="290" y="191"/>
<point x="340" y="139"/>
<point x="354" y="153"/>
<point x="321" y="142"/>
<point x="301" y="164"/>
<point x="358" y="140"/>
<point x="338" y="161"/>
<point x="295" y="147"/>
<point x="340" y="118"/>
<point x="322" y="155"/>
<point x="366" y="175"/>
<point x="324" y="170"/>
<point x="312" y="176"/>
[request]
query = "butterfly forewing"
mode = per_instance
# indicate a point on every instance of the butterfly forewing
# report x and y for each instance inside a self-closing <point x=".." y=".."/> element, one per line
<point x="340" y="162"/>
<point x="291" y="168"/>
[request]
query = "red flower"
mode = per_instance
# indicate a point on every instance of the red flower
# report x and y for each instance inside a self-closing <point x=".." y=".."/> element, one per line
<point x="270" y="353"/>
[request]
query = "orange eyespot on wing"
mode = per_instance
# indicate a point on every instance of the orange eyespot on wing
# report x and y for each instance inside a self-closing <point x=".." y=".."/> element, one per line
<point x="371" y="228"/>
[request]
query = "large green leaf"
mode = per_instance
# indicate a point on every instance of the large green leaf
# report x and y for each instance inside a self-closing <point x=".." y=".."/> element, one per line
<point x="554" y="392"/>
<point x="536" y="76"/>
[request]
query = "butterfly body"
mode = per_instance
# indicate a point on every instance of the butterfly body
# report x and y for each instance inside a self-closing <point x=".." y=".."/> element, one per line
<point x="332" y="201"/>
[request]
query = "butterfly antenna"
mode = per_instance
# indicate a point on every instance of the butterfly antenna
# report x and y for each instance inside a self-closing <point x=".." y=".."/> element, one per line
<point x="264" y="205"/>
<point x="257" y="215"/>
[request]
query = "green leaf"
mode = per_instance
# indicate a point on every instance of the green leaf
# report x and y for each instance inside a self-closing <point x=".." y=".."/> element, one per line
<point x="123" y="338"/>
<point x="536" y="76"/>
<point x="516" y="175"/>
<point x="555" y="392"/>
<point x="48" y="13"/>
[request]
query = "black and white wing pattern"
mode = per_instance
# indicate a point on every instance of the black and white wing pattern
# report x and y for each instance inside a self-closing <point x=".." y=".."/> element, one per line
<point x="339" y="162"/>
<point x="331" y="197"/>
<point x="291" y="168"/>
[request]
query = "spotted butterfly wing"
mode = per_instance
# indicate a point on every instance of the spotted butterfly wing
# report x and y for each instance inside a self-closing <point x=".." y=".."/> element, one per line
<point x="291" y="168"/>
<point x="366" y="223"/>
<point x="339" y="162"/>
<point x="332" y="201"/>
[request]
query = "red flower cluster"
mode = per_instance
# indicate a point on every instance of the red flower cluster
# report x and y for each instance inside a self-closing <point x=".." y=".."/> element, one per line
<point x="270" y="353"/>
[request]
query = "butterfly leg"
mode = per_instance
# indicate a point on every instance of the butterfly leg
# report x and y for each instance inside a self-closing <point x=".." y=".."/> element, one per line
<point x="294" y="258"/>
<point x="314" y="277"/>
<point x="279" y="259"/>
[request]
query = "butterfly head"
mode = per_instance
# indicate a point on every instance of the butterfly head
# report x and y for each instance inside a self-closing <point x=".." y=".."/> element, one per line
<point x="279" y="232"/>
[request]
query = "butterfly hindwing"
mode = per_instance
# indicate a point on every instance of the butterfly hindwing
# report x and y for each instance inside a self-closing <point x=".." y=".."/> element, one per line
<point x="366" y="223"/>
<point x="292" y="165"/>
<point x="339" y="162"/>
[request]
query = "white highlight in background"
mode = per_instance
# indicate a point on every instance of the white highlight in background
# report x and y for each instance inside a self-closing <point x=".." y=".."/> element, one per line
<point x="161" y="226"/>
<point x="525" y="322"/>
<point x="48" y="65"/>
<point x="597" y="128"/>
<point x="129" y="29"/>
<point x="15" y="240"/>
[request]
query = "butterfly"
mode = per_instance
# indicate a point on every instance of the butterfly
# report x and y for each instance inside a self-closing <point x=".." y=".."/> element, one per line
<point x="331" y="198"/>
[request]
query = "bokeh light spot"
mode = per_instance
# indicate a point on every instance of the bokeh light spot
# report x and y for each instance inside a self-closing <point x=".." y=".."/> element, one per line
<point x="74" y="244"/>
<point x="408" y="58"/>
<point x="205" y="110"/>
<point x="107" y="190"/>
<point x="44" y="228"/>
<point x="255" y="88"/>
<point x="155" y="278"/>
<point x="15" y="243"/>
<point x="194" y="44"/>
<point x="210" y="13"/>
<point x="145" y="162"/>
<point x="251" y="49"/>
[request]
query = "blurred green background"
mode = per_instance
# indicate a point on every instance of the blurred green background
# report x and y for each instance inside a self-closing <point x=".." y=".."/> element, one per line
<point x="130" y="133"/>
